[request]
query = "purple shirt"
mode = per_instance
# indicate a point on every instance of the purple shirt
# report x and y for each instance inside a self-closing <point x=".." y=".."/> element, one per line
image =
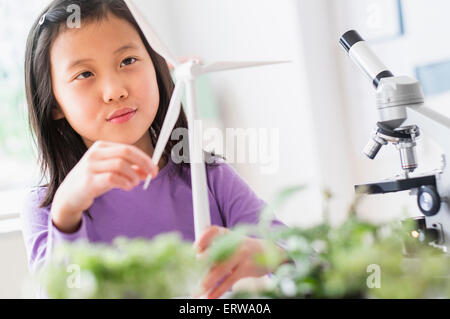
<point x="164" y="207"/>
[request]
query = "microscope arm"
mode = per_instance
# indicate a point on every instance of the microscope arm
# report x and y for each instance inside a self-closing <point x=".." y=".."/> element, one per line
<point x="437" y="127"/>
<point x="432" y="123"/>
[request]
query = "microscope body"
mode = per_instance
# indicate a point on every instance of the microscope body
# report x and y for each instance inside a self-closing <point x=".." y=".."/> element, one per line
<point x="437" y="217"/>
<point x="402" y="118"/>
<point x="402" y="111"/>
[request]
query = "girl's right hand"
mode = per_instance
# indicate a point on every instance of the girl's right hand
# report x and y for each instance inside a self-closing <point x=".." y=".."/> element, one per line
<point x="104" y="166"/>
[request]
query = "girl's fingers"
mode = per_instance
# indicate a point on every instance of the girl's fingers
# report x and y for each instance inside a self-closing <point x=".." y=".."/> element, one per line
<point x="107" y="150"/>
<point x="139" y="171"/>
<point x="219" y="271"/>
<point x="227" y="283"/>
<point x="117" y="165"/>
<point x="110" y="180"/>
<point x="208" y="236"/>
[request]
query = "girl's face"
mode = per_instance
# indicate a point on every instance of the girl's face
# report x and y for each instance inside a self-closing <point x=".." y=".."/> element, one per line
<point x="101" y="68"/>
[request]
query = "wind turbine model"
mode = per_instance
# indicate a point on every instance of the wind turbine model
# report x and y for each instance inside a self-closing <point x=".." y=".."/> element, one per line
<point x="186" y="74"/>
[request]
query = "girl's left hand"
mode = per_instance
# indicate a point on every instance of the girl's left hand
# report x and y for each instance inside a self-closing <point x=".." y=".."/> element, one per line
<point x="241" y="264"/>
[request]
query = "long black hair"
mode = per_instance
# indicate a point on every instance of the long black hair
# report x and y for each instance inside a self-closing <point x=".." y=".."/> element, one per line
<point x="59" y="146"/>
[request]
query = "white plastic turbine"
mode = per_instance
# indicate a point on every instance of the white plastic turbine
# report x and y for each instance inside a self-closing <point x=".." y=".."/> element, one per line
<point x="186" y="74"/>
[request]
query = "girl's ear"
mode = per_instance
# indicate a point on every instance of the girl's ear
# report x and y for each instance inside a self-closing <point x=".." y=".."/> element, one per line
<point x="57" y="113"/>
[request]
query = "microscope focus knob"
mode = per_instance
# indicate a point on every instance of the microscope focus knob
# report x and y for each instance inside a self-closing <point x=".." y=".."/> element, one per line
<point x="428" y="200"/>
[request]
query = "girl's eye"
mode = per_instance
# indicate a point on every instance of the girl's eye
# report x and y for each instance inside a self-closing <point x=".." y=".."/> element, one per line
<point x="84" y="75"/>
<point x="128" y="61"/>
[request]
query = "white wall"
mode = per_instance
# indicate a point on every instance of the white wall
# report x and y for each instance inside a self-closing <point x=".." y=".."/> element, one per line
<point x="13" y="269"/>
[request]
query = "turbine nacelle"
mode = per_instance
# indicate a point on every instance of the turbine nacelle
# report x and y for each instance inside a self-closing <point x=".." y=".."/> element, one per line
<point x="188" y="70"/>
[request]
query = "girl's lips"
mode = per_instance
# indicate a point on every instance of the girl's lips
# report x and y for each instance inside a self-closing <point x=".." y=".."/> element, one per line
<point x="123" y="118"/>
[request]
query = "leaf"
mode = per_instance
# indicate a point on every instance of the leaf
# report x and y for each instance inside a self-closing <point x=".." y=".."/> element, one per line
<point x="164" y="267"/>
<point x="224" y="246"/>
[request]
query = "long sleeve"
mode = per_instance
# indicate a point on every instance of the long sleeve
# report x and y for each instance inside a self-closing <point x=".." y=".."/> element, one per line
<point x="238" y="203"/>
<point x="39" y="233"/>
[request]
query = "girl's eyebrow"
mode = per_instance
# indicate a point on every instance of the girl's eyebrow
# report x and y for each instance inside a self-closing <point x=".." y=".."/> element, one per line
<point x="77" y="62"/>
<point x="122" y="48"/>
<point x="127" y="46"/>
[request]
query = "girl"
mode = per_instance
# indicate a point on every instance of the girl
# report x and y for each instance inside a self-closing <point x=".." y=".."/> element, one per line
<point x="97" y="97"/>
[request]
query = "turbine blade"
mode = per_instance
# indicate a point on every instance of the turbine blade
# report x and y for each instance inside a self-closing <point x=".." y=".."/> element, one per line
<point x="230" y="65"/>
<point x="152" y="38"/>
<point x="170" y="120"/>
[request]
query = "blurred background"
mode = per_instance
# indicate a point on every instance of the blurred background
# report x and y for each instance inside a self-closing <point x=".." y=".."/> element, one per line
<point x="321" y="106"/>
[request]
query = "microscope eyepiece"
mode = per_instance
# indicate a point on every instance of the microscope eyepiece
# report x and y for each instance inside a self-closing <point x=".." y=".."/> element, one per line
<point x="362" y="55"/>
<point x="349" y="38"/>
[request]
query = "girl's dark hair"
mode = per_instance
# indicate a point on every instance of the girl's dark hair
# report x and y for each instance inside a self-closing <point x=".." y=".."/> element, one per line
<point x="59" y="146"/>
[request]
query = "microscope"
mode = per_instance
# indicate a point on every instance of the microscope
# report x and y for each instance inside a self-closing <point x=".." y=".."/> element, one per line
<point x="402" y="117"/>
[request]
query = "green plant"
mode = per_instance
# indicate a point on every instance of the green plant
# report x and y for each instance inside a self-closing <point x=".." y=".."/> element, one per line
<point x="356" y="259"/>
<point x="164" y="267"/>
<point x="326" y="262"/>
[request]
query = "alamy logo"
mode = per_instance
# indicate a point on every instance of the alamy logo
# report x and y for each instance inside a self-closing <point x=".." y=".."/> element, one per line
<point x="74" y="280"/>
<point x="374" y="279"/>
<point x="74" y="20"/>
<point x="238" y="145"/>
<point x="374" y="16"/>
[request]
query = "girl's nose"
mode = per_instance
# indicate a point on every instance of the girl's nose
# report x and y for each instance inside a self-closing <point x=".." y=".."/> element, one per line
<point x="114" y="91"/>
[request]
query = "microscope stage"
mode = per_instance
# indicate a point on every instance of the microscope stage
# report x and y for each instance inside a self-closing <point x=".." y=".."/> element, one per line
<point x="395" y="185"/>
